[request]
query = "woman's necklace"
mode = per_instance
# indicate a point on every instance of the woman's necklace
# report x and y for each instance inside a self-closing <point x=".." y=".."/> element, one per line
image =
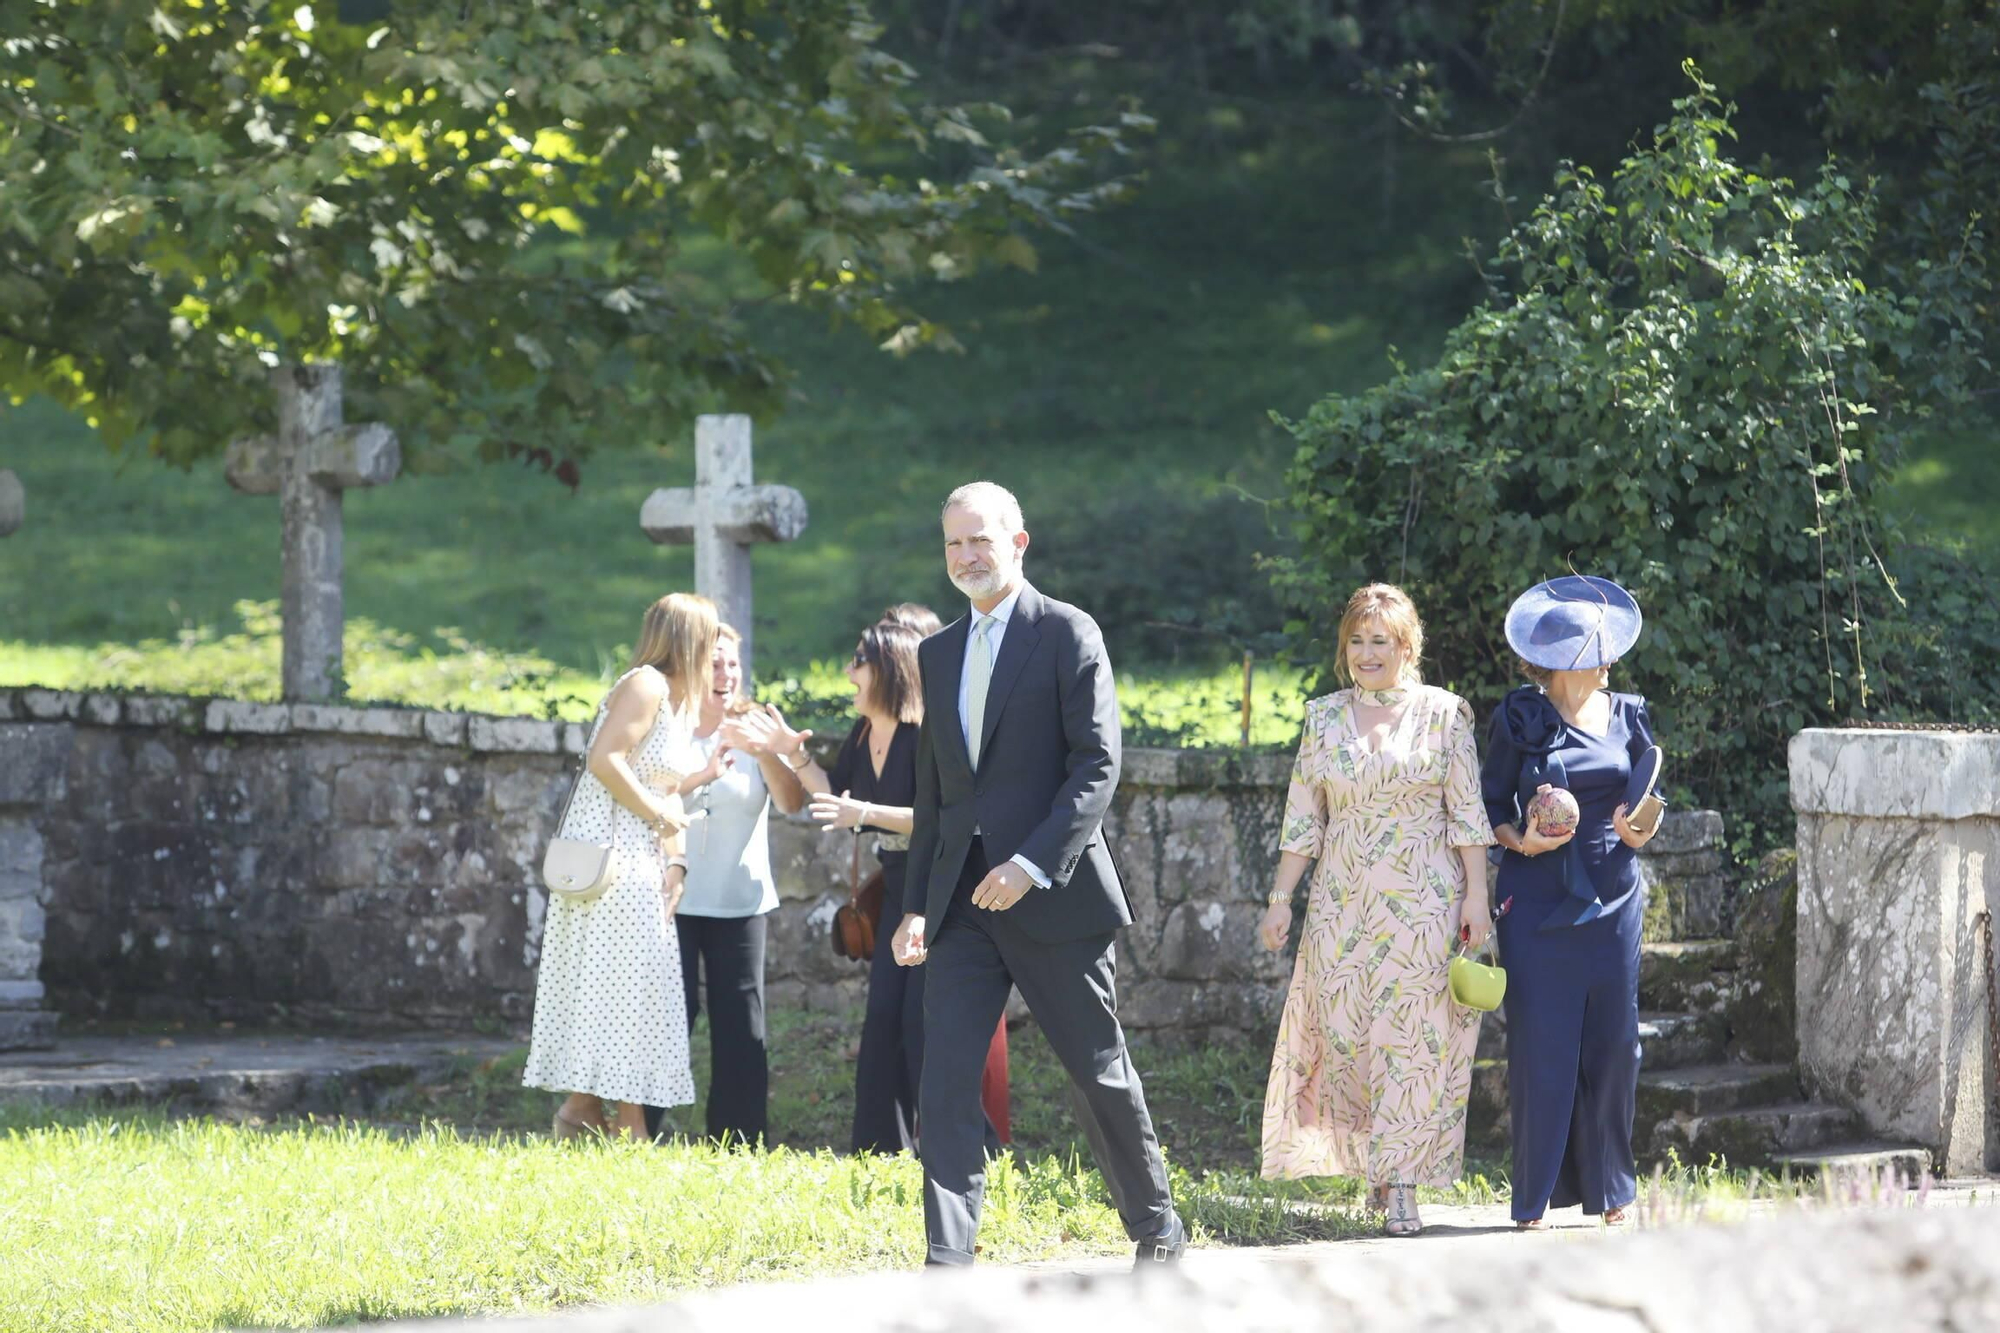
<point x="879" y="741"/>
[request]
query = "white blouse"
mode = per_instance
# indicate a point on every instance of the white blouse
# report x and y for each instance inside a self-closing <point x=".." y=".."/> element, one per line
<point x="728" y="841"/>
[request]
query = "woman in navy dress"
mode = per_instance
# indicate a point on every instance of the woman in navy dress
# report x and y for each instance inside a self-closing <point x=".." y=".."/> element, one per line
<point x="1570" y="937"/>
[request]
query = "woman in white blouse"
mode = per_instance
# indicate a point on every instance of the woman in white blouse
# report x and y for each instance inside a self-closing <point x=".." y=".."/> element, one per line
<point x="730" y="893"/>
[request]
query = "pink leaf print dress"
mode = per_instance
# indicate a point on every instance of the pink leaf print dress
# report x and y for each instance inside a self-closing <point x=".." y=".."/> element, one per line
<point x="1374" y="1058"/>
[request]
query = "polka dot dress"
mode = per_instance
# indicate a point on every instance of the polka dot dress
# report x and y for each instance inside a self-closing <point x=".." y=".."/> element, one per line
<point x="610" y="1019"/>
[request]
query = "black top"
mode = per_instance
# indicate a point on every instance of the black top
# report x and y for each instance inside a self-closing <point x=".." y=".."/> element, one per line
<point x="854" y="774"/>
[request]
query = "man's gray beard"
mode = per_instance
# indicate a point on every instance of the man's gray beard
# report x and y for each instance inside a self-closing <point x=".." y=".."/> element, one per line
<point x="981" y="585"/>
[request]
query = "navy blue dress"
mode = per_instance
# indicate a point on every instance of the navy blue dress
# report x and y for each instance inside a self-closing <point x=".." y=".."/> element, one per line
<point x="1570" y="944"/>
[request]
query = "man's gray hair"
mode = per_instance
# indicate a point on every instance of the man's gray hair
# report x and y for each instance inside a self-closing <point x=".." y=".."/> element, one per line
<point x="988" y="499"/>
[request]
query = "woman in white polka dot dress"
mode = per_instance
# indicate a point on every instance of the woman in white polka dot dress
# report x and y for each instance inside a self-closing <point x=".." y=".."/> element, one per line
<point x="610" y="1021"/>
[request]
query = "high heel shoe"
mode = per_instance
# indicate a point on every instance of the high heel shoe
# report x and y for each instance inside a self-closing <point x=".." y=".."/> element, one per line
<point x="562" y="1128"/>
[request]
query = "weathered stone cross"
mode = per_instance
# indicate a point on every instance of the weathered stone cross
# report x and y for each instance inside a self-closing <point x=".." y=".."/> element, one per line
<point x="13" y="503"/>
<point x="307" y="464"/>
<point x="723" y="516"/>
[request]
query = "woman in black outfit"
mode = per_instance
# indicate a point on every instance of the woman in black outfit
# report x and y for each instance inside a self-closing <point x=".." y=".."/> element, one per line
<point x="871" y="786"/>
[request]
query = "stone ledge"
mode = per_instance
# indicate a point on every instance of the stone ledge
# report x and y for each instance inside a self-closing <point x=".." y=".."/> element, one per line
<point x="160" y="710"/>
<point x="1205" y="769"/>
<point x="512" y="735"/>
<point x="401" y="723"/>
<point x="99" y="709"/>
<point x="237" y="716"/>
<point x="49" y="705"/>
<point x="1895" y="774"/>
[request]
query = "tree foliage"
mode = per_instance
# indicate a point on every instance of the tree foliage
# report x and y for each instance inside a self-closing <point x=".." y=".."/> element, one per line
<point x="479" y="209"/>
<point x="1681" y="381"/>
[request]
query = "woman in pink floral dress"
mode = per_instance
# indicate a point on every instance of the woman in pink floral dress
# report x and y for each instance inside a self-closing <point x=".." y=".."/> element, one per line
<point x="1374" y="1058"/>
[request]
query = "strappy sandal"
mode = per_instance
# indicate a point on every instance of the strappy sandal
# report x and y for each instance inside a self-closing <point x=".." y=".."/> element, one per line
<point x="1403" y="1219"/>
<point x="1529" y="1224"/>
<point x="1616" y="1217"/>
<point x="562" y="1128"/>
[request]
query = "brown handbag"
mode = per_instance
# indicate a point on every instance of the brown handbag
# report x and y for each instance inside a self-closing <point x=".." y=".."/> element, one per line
<point x="855" y="921"/>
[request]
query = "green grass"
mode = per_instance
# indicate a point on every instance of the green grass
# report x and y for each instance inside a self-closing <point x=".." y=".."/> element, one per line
<point x="450" y="1202"/>
<point x="150" y="1225"/>
<point x="1186" y="706"/>
<point x="1950" y="489"/>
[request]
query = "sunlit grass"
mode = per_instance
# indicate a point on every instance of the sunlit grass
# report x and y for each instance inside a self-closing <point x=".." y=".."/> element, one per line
<point x="447" y="670"/>
<point x="196" y="1224"/>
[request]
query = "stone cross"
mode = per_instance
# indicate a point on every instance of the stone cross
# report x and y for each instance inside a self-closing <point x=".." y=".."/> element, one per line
<point x="13" y="503"/>
<point x="723" y="516"/>
<point x="307" y="464"/>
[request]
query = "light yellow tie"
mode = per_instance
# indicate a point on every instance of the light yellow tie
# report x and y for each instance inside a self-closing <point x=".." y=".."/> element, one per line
<point x="978" y="671"/>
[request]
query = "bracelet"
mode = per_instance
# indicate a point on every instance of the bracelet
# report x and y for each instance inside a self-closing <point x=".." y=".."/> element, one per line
<point x="862" y="818"/>
<point x="1277" y="899"/>
<point x="800" y="768"/>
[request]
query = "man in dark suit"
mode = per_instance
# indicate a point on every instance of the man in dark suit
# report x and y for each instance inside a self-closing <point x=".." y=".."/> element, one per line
<point x="1010" y="881"/>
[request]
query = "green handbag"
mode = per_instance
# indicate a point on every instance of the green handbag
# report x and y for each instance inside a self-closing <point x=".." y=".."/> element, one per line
<point x="1477" y="985"/>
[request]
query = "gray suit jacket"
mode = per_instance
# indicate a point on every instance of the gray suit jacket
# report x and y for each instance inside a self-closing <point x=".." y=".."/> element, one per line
<point x="1048" y="764"/>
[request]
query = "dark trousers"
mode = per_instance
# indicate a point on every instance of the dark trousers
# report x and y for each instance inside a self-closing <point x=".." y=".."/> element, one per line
<point x="1573" y="1060"/>
<point x="728" y="954"/>
<point x="891" y="1062"/>
<point x="890" y="1066"/>
<point x="1071" y="989"/>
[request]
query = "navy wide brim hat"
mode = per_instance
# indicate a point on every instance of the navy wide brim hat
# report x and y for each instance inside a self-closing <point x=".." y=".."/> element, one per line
<point x="1574" y="623"/>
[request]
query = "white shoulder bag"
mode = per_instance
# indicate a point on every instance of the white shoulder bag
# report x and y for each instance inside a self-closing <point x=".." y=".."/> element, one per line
<point x="572" y="869"/>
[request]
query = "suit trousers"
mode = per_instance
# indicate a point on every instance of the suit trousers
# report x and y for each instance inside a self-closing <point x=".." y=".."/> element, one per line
<point x="728" y="954"/>
<point x="1070" y="987"/>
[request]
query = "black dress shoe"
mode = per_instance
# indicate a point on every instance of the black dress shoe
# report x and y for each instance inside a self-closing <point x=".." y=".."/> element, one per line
<point x="1165" y="1248"/>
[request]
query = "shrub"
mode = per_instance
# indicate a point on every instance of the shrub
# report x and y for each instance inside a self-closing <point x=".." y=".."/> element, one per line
<point x="1681" y="381"/>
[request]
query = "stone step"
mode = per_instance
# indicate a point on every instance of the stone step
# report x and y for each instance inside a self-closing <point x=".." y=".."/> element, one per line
<point x="1868" y="1160"/>
<point x="1682" y="1074"/>
<point x="1712" y="1089"/>
<point x="1678" y="1040"/>
<point x="1671" y="1039"/>
<point x="1684" y="974"/>
<point x="1755" y="1137"/>
<point x="239" y="1075"/>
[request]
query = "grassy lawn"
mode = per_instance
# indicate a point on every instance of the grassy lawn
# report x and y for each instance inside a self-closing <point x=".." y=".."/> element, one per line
<point x="452" y="1202"/>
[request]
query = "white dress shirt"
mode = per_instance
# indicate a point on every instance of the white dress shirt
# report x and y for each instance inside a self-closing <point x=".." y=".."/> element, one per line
<point x="996" y="632"/>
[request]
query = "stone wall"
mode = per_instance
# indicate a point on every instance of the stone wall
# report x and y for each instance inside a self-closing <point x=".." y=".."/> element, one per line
<point x="1899" y="858"/>
<point x="378" y="866"/>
